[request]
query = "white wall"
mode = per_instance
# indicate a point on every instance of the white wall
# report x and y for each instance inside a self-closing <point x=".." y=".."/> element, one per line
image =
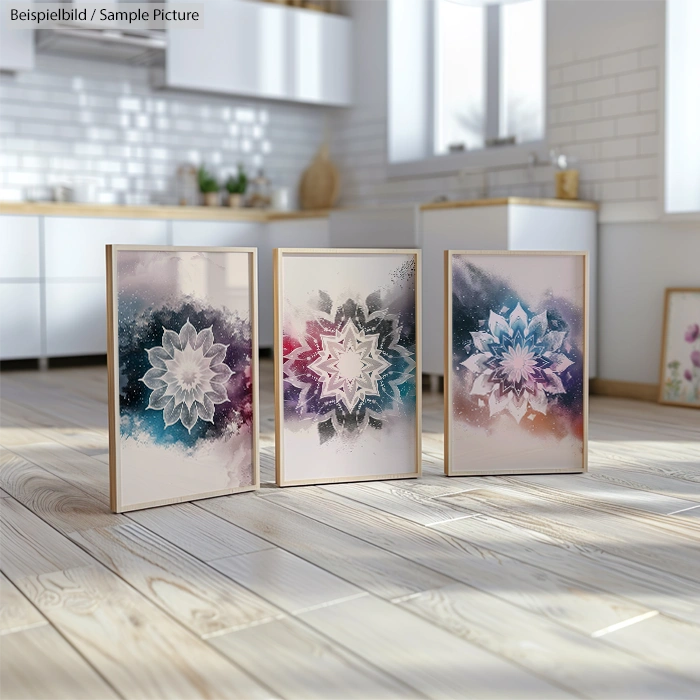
<point x="604" y="74"/>
<point x="605" y="62"/>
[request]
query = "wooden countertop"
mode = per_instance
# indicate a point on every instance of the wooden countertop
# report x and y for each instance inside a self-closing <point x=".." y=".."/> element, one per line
<point x="113" y="211"/>
<point x="502" y="201"/>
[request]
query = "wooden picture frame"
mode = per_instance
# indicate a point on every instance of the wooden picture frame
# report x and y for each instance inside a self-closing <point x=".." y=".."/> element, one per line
<point x="281" y="255"/>
<point x="176" y="257"/>
<point x="684" y="379"/>
<point x="451" y="467"/>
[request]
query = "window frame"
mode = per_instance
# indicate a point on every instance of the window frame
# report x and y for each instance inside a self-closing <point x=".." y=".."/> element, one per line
<point x="488" y="157"/>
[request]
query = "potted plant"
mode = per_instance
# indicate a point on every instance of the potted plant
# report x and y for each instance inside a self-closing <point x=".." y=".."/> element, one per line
<point x="236" y="186"/>
<point x="208" y="186"/>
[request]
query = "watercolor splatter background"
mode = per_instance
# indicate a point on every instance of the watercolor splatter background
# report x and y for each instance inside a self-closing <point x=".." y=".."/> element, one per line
<point x="517" y="363"/>
<point x="349" y="365"/>
<point x="185" y="391"/>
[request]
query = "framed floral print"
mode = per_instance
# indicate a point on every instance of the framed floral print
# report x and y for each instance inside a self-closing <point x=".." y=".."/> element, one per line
<point x="183" y="367"/>
<point x="680" y="351"/>
<point x="347" y="365"/>
<point x="516" y="369"/>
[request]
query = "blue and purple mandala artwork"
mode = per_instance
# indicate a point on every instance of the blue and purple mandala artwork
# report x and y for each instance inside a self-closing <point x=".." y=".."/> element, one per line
<point x="185" y="394"/>
<point x="349" y="364"/>
<point x="517" y="361"/>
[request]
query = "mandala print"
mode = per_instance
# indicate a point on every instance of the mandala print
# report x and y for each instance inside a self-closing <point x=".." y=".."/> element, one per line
<point x="351" y="370"/>
<point x="517" y="364"/>
<point x="188" y="376"/>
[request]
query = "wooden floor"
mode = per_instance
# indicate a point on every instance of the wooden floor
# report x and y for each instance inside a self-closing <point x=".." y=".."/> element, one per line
<point x="542" y="586"/>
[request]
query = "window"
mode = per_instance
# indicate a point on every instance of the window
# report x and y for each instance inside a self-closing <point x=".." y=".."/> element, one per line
<point x="466" y="77"/>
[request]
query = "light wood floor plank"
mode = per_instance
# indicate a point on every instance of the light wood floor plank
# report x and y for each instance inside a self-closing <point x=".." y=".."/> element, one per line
<point x="532" y="588"/>
<point x="286" y="580"/>
<point x="199" y="532"/>
<point x="197" y="596"/>
<point x="586" y="563"/>
<point x="300" y="663"/>
<point x="16" y="612"/>
<point x="38" y="664"/>
<point x="628" y="539"/>
<point x="402" y="503"/>
<point x="583" y="665"/>
<point x="135" y="646"/>
<point x="373" y="569"/>
<point x="56" y="501"/>
<point x="436" y="663"/>
<point x="31" y="546"/>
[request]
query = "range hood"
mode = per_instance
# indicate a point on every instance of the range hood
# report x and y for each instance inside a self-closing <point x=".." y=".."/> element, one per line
<point x="116" y="42"/>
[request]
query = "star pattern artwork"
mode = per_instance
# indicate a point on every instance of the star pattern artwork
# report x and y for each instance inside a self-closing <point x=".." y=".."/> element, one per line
<point x="182" y="384"/>
<point x="517" y="381"/>
<point x="347" y="343"/>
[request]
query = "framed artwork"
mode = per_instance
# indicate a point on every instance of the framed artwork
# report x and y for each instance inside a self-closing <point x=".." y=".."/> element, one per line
<point x="347" y="365"/>
<point x="516" y="369"/>
<point x="680" y="350"/>
<point x="182" y="357"/>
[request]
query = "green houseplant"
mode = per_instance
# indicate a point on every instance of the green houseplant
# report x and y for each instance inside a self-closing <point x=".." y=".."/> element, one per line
<point x="236" y="185"/>
<point x="208" y="186"/>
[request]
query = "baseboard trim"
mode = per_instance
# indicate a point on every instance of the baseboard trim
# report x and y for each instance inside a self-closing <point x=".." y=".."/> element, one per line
<point x="625" y="390"/>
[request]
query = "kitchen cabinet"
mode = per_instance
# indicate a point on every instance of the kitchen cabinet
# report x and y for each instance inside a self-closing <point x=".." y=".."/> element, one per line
<point x="263" y="50"/>
<point x="75" y="270"/>
<point x="20" y="320"/>
<point x="20" y="287"/>
<point x="16" y="45"/>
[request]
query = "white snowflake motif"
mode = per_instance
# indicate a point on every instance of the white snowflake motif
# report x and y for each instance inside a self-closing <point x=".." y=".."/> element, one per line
<point x="349" y="365"/>
<point x="188" y="376"/>
<point x="517" y="363"/>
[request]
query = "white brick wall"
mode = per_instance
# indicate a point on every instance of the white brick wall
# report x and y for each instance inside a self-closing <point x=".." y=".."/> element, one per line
<point x="71" y="120"/>
<point x="603" y="110"/>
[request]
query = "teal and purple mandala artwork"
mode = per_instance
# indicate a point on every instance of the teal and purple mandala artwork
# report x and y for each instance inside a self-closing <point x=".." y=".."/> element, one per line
<point x="184" y="380"/>
<point x="517" y="362"/>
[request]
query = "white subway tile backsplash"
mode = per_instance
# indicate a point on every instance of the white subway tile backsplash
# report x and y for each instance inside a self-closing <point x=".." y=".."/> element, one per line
<point x="637" y="167"/>
<point x="83" y="120"/>
<point x="648" y="101"/>
<point x="621" y="63"/>
<point x="614" y="106"/>
<point x="640" y="124"/>
<point x="595" y="89"/>
<point x="618" y="148"/>
<point x="594" y="130"/>
<point x="648" y="145"/>
<point x="637" y="81"/>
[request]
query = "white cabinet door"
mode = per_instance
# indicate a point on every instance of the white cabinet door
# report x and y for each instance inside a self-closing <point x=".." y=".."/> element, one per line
<point x="19" y="246"/>
<point x="263" y="50"/>
<point x="321" y="62"/>
<point x="75" y="247"/>
<point x="20" y="320"/>
<point x="16" y="45"/>
<point x="76" y="318"/>
<point x="242" y="48"/>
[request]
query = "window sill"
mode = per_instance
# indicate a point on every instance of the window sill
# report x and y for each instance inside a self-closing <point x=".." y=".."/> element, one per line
<point x="497" y="157"/>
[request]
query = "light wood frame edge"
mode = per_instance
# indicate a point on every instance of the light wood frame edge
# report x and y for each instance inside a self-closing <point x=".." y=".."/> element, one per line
<point x="667" y="301"/>
<point x="278" y="286"/>
<point x="448" y="358"/>
<point x="113" y="368"/>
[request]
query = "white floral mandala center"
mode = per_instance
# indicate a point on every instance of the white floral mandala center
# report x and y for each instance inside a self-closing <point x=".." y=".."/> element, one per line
<point x="517" y="363"/>
<point x="188" y="376"/>
<point x="349" y="364"/>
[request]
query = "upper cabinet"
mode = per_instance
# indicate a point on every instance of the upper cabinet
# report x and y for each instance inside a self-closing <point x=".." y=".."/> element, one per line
<point x="16" y="45"/>
<point x="264" y="50"/>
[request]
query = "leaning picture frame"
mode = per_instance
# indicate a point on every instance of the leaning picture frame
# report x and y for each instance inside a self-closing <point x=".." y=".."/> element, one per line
<point x="182" y="358"/>
<point x="516" y="362"/>
<point x="347" y="365"/>
<point x="679" y="369"/>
